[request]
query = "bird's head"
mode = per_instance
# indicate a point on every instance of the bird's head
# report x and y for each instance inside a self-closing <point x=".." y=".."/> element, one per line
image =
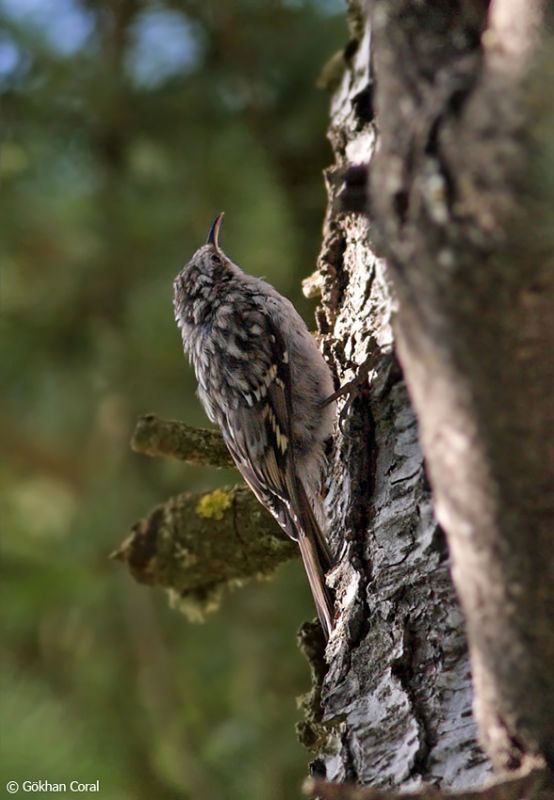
<point x="202" y="279"/>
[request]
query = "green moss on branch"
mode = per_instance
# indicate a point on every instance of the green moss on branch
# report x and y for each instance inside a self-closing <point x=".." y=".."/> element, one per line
<point x="196" y="545"/>
<point x="160" y="437"/>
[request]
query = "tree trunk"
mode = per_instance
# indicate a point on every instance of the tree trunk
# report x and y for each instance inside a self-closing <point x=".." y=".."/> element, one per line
<point x="439" y="89"/>
<point x="431" y="106"/>
<point x="397" y="697"/>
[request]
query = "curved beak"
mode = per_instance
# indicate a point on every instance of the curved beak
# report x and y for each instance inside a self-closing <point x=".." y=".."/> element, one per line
<point x="213" y="236"/>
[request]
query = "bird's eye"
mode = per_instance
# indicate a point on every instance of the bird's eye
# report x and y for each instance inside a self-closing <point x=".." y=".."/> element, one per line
<point x="215" y="259"/>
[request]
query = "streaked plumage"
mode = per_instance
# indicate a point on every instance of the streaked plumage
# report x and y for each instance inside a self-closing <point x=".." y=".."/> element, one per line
<point x="262" y="379"/>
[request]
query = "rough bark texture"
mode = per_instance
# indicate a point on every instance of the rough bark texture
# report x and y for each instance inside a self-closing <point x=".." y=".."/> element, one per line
<point x="396" y="700"/>
<point x="462" y="193"/>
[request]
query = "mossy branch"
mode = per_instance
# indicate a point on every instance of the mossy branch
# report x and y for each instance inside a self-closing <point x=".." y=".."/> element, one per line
<point x="198" y="544"/>
<point x="162" y="437"/>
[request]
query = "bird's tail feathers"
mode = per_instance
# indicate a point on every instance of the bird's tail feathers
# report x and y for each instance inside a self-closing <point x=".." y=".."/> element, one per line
<point x="312" y="526"/>
<point x="316" y="556"/>
<point x="316" y="579"/>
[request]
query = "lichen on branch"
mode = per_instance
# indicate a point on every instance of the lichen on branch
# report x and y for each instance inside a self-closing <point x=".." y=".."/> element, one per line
<point x="198" y="544"/>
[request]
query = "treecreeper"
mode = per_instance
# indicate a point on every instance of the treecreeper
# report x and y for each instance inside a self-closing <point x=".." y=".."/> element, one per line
<point x="263" y="381"/>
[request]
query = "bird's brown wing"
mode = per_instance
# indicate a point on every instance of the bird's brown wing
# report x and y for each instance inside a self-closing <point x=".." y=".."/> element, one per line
<point x="259" y="434"/>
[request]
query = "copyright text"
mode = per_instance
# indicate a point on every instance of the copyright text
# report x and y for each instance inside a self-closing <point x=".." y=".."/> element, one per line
<point x="77" y="787"/>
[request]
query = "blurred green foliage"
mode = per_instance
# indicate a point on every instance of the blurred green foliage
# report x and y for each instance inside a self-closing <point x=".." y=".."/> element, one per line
<point x="126" y="126"/>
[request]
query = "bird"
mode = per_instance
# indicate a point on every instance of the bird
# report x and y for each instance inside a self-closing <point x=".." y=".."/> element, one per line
<point x="263" y="380"/>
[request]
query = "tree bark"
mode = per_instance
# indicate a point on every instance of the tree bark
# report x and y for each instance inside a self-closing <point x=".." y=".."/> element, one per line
<point x="463" y="209"/>
<point x="396" y="700"/>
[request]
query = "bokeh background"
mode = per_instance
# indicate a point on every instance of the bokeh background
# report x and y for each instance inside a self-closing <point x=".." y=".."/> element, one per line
<point x="125" y="127"/>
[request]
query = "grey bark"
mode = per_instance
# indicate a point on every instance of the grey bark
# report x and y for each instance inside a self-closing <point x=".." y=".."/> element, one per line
<point x="396" y="700"/>
<point x="462" y="195"/>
